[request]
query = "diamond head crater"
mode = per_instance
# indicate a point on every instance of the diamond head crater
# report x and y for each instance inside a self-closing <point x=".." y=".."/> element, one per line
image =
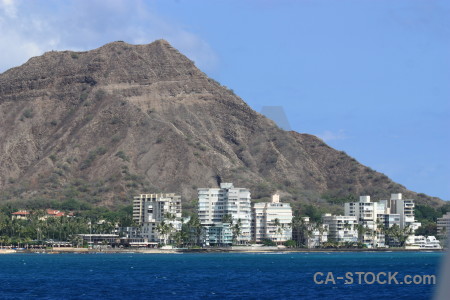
<point x="101" y="126"/>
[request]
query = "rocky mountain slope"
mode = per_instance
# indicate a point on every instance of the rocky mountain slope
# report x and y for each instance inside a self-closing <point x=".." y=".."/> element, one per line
<point x="122" y="119"/>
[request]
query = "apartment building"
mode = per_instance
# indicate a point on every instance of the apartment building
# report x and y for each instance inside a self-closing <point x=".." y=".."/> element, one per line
<point x="217" y="204"/>
<point x="149" y="210"/>
<point x="404" y="208"/>
<point x="443" y="225"/>
<point x="341" y="228"/>
<point x="218" y="234"/>
<point x="375" y="216"/>
<point x="272" y="220"/>
<point x="371" y="216"/>
<point x="390" y="220"/>
<point x="318" y="234"/>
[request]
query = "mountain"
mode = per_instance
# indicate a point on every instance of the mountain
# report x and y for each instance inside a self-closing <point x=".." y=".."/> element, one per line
<point x="123" y="119"/>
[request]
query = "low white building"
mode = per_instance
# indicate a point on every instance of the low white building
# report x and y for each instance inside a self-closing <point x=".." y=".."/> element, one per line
<point x="100" y="239"/>
<point x="422" y="242"/>
<point x="20" y="215"/>
<point x="318" y="233"/>
<point x="272" y="220"/>
<point x="217" y="234"/>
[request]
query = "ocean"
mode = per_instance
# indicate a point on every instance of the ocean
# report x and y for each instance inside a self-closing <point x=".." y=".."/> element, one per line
<point x="217" y="275"/>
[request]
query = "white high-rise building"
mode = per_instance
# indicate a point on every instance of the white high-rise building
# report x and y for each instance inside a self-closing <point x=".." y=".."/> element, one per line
<point x="404" y="208"/>
<point x="385" y="213"/>
<point x="149" y="210"/>
<point x="370" y="215"/>
<point x="216" y="204"/>
<point x="341" y="228"/>
<point x="272" y="220"/>
<point x="443" y="225"/>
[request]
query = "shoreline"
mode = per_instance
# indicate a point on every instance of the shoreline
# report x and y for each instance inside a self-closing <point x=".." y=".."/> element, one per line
<point x="203" y="250"/>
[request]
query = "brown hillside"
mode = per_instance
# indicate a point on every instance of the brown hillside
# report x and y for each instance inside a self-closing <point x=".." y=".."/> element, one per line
<point x="105" y="124"/>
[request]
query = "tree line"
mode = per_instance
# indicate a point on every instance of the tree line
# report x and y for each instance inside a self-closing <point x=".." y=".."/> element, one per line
<point x="40" y="229"/>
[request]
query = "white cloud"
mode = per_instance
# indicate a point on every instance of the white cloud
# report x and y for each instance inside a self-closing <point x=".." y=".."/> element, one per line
<point x="196" y="49"/>
<point x="328" y="135"/>
<point x="31" y="28"/>
<point x="9" y="7"/>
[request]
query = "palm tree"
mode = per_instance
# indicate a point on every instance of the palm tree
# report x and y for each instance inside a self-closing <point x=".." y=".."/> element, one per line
<point x="237" y="230"/>
<point x="321" y="229"/>
<point x="388" y="236"/>
<point x="26" y="242"/>
<point x="77" y="240"/>
<point x="180" y="237"/>
<point x="164" y="229"/>
<point x="277" y="224"/>
<point x="362" y="230"/>
<point x="302" y="231"/>
<point x="380" y="230"/>
<point x="4" y="240"/>
<point x="373" y="235"/>
<point x="194" y="228"/>
<point x="400" y="235"/>
<point x="405" y="233"/>
<point x="347" y="226"/>
<point x="161" y="229"/>
<point x="170" y="217"/>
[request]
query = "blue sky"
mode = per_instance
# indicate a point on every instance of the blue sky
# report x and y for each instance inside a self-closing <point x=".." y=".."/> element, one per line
<point x="370" y="78"/>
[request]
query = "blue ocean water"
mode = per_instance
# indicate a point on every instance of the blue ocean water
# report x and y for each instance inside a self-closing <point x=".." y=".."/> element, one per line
<point x="211" y="276"/>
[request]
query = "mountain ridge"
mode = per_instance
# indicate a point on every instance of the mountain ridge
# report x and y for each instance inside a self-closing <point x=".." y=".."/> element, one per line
<point x="121" y="119"/>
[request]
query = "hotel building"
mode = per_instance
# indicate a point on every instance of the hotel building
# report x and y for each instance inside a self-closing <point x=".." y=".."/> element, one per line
<point x="386" y="213"/>
<point x="318" y="236"/>
<point x="443" y="225"/>
<point x="217" y="204"/>
<point x="149" y="210"/>
<point x="404" y="208"/>
<point x="341" y="228"/>
<point x="370" y="215"/>
<point x="272" y="220"/>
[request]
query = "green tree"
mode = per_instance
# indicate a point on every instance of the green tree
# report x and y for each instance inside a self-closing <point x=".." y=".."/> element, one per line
<point x="398" y="235"/>
<point x="301" y="231"/>
<point x="236" y="229"/>
<point x="278" y="228"/>
<point x="362" y="231"/>
<point x="194" y="230"/>
<point x="427" y="228"/>
<point x="289" y="244"/>
<point x="313" y="212"/>
<point x="164" y="229"/>
<point x="180" y="238"/>
<point x="268" y="242"/>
